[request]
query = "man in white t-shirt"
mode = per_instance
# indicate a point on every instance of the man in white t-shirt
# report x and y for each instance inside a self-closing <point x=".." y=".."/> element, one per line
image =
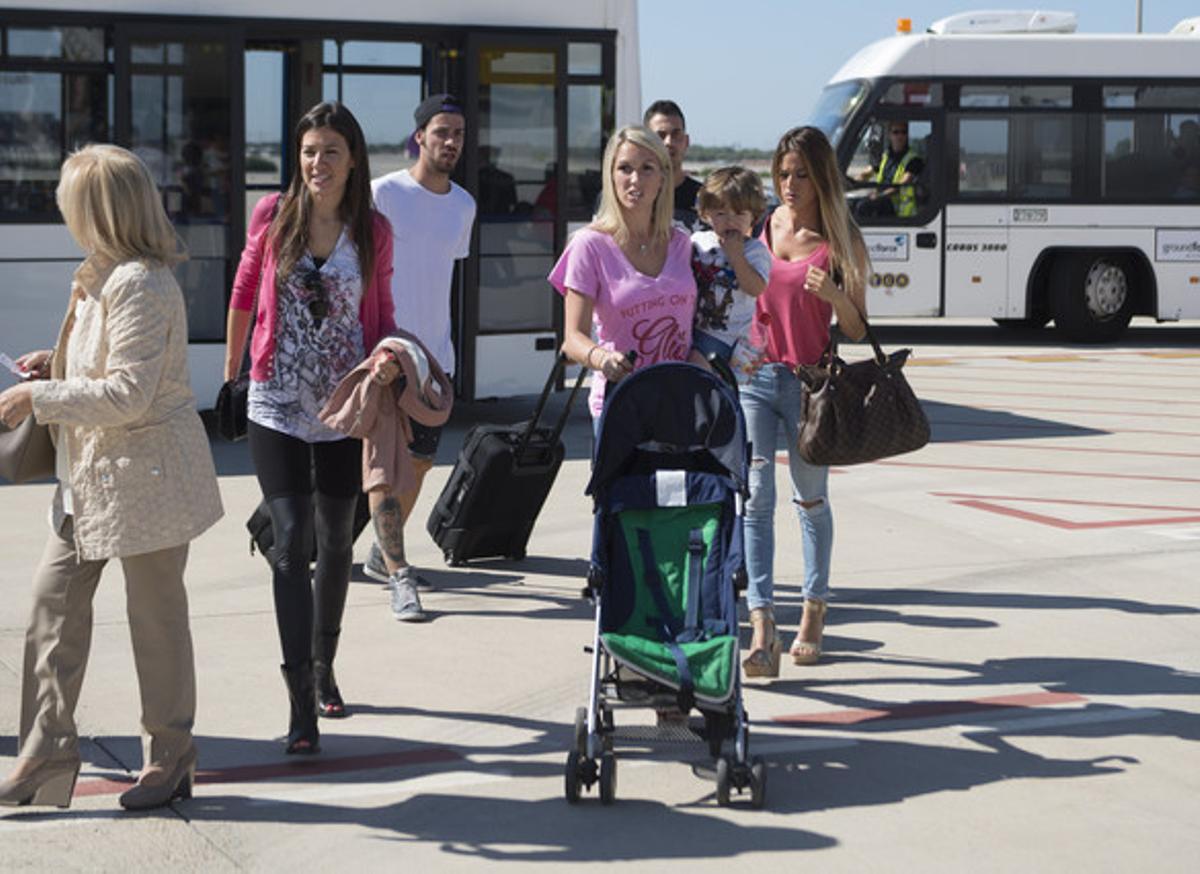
<point x="431" y="218"/>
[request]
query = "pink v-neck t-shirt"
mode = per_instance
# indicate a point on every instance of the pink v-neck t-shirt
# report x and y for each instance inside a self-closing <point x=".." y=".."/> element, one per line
<point x="796" y="321"/>
<point x="650" y="315"/>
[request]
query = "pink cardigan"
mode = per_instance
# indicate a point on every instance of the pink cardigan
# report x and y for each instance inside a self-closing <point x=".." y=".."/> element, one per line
<point x="377" y="311"/>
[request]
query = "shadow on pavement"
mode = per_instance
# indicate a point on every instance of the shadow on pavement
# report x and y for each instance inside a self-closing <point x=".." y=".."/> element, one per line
<point x="959" y="423"/>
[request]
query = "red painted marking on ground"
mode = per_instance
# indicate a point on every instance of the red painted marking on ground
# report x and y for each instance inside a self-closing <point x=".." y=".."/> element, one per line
<point x="1009" y="409"/>
<point x="1066" y="524"/>
<point x="925" y="709"/>
<point x="1033" y="426"/>
<point x="297" y="767"/>
<point x="975" y="392"/>
<point x="1043" y="471"/>
<point x="1000" y="444"/>
<point x="1068" y="501"/>
<point x="986" y="503"/>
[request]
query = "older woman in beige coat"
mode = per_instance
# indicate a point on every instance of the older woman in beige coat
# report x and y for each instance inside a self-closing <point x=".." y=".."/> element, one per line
<point x="136" y="483"/>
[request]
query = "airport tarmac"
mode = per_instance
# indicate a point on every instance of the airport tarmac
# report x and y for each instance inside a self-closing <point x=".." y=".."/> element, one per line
<point x="1011" y="683"/>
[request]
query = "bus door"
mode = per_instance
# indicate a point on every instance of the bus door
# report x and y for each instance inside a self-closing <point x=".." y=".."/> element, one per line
<point x="508" y="328"/>
<point x="894" y="191"/>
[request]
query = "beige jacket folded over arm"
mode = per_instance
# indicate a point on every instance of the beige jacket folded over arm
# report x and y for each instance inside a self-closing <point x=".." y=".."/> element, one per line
<point x="380" y="414"/>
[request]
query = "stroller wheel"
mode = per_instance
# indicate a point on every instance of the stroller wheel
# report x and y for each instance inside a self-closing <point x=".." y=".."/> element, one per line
<point x="581" y="716"/>
<point x="758" y="783"/>
<point x="571" y="777"/>
<point x="608" y="778"/>
<point x="606" y="719"/>
<point x="724" y="780"/>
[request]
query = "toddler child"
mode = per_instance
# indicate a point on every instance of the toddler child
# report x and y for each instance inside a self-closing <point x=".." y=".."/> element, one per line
<point x="730" y="266"/>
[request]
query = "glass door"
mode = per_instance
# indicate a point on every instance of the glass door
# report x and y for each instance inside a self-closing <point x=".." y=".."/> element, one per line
<point x="173" y="109"/>
<point x="515" y="107"/>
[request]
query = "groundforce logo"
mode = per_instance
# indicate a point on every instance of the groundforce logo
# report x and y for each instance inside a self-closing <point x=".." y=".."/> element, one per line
<point x="1177" y="244"/>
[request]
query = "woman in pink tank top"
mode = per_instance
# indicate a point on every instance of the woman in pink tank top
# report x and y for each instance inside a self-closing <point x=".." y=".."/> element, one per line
<point x="812" y="239"/>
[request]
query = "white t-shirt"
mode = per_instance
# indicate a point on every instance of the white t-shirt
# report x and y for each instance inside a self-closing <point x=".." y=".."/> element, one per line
<point x="723" y="310"/>
<point x="431" y="232"/>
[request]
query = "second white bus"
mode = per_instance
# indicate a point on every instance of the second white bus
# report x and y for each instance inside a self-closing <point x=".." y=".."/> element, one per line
<point x="1059" y="174"/>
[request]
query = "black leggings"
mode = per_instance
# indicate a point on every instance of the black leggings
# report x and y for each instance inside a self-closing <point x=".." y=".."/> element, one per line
<point x="285" y="467"/>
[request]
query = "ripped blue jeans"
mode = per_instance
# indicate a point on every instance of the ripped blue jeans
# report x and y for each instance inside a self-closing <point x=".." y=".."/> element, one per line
<point x="770" y="400"/>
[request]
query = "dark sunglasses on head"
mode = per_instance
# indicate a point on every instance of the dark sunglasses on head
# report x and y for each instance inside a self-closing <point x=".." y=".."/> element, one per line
<point x="318" y="304"/>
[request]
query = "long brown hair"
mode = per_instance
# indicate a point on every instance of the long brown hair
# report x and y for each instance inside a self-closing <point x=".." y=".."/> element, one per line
<point x="289" y="230"/>
<point x="837" y="225"/>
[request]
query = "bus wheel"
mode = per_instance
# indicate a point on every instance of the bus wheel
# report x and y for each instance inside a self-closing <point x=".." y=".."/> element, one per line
<point x="1092" y="297"/>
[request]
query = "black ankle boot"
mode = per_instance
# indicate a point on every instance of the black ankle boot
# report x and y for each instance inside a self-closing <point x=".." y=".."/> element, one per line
<point x="303" y="738"/>
<point x="329" y="698"/>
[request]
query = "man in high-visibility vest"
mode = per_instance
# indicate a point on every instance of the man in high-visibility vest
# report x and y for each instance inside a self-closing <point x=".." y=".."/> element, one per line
<point x="898" y="170"/>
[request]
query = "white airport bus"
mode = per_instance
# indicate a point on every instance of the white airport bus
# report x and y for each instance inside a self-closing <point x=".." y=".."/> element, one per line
<point x="1059" y="173"/>
<point x="208" y="94"/>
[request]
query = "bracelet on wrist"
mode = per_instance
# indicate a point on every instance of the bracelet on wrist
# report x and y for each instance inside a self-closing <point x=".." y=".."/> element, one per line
<point x="588" y="358"/>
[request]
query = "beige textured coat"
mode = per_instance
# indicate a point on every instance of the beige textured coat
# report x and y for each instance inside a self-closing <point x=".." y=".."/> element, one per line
<point x="141" y="470"/>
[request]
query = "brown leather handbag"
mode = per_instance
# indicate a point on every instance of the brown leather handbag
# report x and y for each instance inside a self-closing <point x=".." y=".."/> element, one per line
<point x="860" y="412"/>
<point x="26" y="452"/>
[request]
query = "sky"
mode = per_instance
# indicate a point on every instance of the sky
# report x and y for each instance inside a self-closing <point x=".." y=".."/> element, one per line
<point x="744" y="72"/>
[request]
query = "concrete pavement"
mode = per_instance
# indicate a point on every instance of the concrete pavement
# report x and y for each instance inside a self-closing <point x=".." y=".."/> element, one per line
<point x="1012" y="680"/>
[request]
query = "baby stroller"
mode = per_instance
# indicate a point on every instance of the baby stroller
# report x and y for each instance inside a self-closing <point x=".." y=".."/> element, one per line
<point x="668" y="481"/>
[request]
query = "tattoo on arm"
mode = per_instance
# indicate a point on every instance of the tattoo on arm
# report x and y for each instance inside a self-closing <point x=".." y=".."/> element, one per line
<point x="389" y="528"/>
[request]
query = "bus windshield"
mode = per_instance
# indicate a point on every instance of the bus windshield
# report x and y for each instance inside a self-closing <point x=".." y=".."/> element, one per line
<point x="835" y="106"/>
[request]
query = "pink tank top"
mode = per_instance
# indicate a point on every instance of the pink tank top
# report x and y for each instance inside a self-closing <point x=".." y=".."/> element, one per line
<point x="795" y="322"/>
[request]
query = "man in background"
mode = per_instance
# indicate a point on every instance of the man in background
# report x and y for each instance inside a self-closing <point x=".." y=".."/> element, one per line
<point x="431" y="218"/>
<point x="665" y="119"/>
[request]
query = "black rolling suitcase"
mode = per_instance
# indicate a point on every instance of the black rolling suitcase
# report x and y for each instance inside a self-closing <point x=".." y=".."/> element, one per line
<point x="499" y="483"/>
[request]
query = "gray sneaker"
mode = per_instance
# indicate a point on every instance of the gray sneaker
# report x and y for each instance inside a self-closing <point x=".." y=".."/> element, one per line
<point x="406" y="604"/>
<point x="374" y="568"/>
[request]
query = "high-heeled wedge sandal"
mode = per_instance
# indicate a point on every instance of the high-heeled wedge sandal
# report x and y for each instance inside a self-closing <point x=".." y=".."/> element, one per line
<point x="808" y="652"/>
<point x="51" y="782"/>
<point x="763" y="660"/>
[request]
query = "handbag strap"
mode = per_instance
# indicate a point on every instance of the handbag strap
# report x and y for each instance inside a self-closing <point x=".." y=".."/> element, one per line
<point x="829" y="356"/>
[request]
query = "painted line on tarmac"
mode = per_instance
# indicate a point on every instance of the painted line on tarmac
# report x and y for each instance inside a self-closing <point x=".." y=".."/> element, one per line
<point x="1041" y="471"/>
<point x="1149" y="453"/>
<point x="1021" y="409"/>
<point x="992" y="393"/>
<point x="988" y="503"/>
<point x="1034" y="426"/>
<point x="925" y="709"/>
<point x="1060" y="720"/>
<point x="1181" y="534"/>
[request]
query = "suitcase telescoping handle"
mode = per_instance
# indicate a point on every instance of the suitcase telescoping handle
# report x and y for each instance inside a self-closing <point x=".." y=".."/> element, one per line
<point x="560" y="364"/>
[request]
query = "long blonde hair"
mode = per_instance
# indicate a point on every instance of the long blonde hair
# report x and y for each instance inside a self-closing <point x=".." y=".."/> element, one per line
<point x="610" y="217"/>
<point x="837" y="225"/>
<point x="112" y="206"/>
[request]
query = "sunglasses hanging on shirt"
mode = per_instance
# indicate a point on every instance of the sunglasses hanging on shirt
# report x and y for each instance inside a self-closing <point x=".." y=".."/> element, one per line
<point x="318" y="303"/>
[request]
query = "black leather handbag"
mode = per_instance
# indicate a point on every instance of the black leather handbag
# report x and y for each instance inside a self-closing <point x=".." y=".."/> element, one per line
<point x="860" y="412"/>
<point x="232" y="402"/>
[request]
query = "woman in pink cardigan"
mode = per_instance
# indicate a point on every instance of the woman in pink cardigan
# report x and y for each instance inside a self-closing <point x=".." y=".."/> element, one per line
<point x="318" y="260"/>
